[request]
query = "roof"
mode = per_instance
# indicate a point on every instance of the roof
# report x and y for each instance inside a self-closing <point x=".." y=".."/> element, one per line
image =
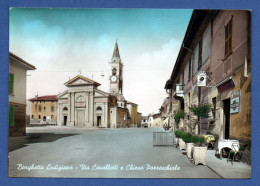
<point x="116" y="51"/>
<point x="120" y="97"/>
<point x="129" y="102"/>
<point x="197" y="19"/>
<point x="45" y="98"/>
<point x="27" y="65"/>
<point x="82" y="77"/>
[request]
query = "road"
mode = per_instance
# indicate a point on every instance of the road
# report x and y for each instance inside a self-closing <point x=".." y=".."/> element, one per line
<point x="103" y="153"/>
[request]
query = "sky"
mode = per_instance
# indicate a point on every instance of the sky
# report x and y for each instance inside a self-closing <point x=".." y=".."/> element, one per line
<point x="63" y="43"/>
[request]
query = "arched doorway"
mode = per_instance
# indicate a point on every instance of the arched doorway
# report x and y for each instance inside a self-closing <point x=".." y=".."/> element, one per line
<point x="44" y="118"/>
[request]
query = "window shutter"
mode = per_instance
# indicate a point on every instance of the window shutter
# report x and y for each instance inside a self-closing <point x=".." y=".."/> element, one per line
<point x="11" y="83"/>
<point x="11" y="116"/>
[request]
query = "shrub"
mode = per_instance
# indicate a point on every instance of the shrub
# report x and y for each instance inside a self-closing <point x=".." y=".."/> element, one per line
<point x="201" y="140"/>
<point x="178" y="116"/>
<point x="178" y="133"/>
<point x="194" y="139"/>
<point x="201" y="111"/>
<point x="186" y="137"/>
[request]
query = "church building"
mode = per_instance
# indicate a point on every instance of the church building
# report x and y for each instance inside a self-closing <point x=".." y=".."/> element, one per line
<point x="84" y="105"/>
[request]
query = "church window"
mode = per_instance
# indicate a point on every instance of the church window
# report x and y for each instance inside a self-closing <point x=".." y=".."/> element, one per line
<point x="114" y="71"/>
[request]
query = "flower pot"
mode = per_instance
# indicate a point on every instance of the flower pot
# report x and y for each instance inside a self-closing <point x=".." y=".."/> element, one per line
<point x="182" y="145"/>
<point x="177" y="142"/>
<point x="189" y="149"/>
<point x="200" y="155"/>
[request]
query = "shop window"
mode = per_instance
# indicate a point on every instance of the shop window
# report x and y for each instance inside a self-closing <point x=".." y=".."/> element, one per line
<point x="228" y="38"/>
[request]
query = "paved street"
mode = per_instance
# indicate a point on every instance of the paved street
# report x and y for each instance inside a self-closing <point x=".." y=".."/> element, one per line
<point x="103" y="153"/>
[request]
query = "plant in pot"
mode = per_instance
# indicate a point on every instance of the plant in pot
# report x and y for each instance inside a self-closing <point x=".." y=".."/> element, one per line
<point x="186" y="138"/>
<point x="189" y="144"/>
<point x="200" y="152"/>
<point x="177" y="136"/>
<point x="182" y="145"/>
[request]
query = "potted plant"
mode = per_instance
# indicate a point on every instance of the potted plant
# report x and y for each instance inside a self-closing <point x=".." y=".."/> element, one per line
<point x="177" y="136"/>
<point x="182" y="145"/>
<point x="186" y="138"/>
<point x="189" y="144"/>
<point x="200" y="152"/>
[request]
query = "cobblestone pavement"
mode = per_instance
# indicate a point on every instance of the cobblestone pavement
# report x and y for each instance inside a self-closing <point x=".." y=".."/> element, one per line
<point x="103" y="153"/>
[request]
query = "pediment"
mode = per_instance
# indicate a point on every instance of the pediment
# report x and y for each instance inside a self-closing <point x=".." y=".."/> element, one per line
<point x="81" y="80"/>
<point x="63" y="95"/>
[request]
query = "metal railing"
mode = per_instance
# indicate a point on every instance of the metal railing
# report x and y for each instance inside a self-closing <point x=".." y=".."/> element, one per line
<point x="163" y="138"/>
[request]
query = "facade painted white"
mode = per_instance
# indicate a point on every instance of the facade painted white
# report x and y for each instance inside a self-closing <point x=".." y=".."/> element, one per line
<point x="19" y="86"/>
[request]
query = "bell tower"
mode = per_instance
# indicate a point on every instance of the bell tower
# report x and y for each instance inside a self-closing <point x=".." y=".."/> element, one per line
<point x="116" y="73"/>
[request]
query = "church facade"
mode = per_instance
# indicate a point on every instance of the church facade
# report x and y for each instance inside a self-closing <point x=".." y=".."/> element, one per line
<point x="84" y="105"/>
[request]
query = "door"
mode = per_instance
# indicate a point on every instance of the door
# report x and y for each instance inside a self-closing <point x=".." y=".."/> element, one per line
<point x="226" y="104"/>
<point x="99" y="121"/>
<point x="65" y="120"/>
<point x="81" y="116"/>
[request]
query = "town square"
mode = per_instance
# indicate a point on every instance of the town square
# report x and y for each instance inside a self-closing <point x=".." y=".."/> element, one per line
<point x="129" y="93"/>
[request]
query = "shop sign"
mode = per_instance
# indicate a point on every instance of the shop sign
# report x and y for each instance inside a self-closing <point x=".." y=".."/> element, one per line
<point x="235" y="102"/>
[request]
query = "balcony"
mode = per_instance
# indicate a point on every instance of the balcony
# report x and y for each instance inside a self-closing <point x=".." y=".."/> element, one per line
<point x="179" y="90"/>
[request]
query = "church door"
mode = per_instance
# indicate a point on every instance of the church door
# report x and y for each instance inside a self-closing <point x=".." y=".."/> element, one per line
<point x="81" y="118"/>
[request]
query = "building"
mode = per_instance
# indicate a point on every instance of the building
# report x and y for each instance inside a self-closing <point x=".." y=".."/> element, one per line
<point x="84" y="105"/>
<point x="43" y="109"/>
<point x="156" y="122"/>
<point x="214" y="67"/>
<point x="17" y="94"/>
<point x="144" y="122"/>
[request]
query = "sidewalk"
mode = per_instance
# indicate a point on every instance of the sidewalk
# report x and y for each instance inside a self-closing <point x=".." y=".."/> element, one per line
<point x="225" y="169"/>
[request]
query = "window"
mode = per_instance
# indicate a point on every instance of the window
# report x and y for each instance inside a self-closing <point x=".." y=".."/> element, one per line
<point x="214" y="101"/>
<point x="11" y="115"/>
<point x="51" y="116"/>
<point x="200" y="54"/>
<point x="40" y="108"/>
<point x="39" y="116"/>
<point x="199" y="94"/>
<point x="32" y="116"/>
<point x="189" y="75"/>
<point x="44" y="108"/>
<point x="52" y="108"/>
<point x="228" y="38"/>
<point x="99" y="108"/>
<point x="11" y="84"/>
